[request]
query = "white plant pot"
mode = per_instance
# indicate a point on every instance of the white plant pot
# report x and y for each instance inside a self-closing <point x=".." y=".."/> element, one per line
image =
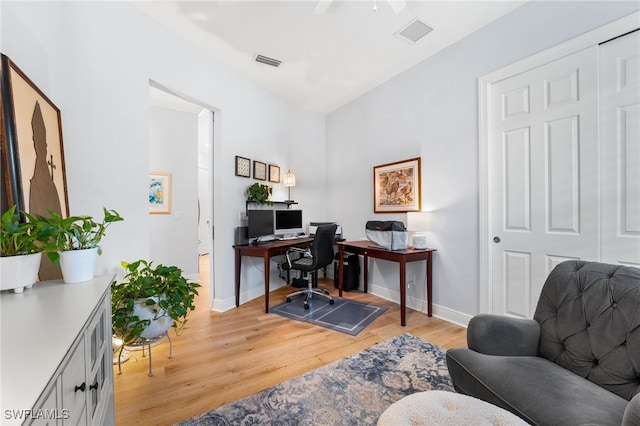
<point x="78" y="265"/>
<point x="160" y="321"/>
<point x="19" y="272"/>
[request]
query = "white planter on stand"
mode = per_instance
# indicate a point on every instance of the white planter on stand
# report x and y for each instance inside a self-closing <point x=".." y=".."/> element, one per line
<point x="78" y="265"/>
<point x="160" y="321"/>
<point x="19" y="272"/>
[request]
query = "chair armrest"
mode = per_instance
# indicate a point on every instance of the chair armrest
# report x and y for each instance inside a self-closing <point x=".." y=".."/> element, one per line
<point x="502" y="335"/>
<point x="294" y="250"/>
<point x="631" y="415"/>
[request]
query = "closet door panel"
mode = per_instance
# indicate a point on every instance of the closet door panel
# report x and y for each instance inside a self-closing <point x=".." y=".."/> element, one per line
<point x="620" y="150"/>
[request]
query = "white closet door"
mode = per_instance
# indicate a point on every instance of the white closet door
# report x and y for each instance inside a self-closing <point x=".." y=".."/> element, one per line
<point x="620" y="149"/>
<point x="544" y="179"/>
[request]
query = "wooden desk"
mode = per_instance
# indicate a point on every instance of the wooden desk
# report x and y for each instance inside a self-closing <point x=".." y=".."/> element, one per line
<point x="368" y="249"/>
<point x="265" y="251"/>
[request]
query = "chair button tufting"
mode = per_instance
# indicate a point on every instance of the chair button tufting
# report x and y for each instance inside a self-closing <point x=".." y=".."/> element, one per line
<point x="615" y="305"/>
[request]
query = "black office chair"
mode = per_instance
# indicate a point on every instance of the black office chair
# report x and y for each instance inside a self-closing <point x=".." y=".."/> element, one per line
<point x="319" y="255"/>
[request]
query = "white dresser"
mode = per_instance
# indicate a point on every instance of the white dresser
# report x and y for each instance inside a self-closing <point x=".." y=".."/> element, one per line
<point x="55" y="354"/>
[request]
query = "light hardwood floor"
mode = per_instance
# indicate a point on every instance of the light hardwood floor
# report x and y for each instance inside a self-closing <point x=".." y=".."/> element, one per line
<point x="222" y="357"/>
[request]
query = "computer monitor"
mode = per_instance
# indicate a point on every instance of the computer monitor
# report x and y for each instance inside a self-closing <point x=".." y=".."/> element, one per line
<point x="287" y="222"/>
<point x="260" y="223"/>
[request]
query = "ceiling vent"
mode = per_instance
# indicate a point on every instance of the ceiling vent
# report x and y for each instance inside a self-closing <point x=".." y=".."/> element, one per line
<point x="414" y="31"/>
<point x="268" y="61"/>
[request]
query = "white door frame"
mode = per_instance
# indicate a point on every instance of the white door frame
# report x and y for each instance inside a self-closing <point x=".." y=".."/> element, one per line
<point x="485" y="83"/>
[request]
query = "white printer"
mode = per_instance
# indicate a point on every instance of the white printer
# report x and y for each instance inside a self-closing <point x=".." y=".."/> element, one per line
<point x="313" y="226"/>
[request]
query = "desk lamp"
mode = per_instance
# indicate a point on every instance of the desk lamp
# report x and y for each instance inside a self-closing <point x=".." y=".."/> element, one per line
<point x="289" y="181"/>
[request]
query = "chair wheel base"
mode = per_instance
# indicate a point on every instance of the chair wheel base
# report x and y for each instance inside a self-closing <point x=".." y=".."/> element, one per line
<point x="288" y="299"/>
<point x="306" y="306"/>
<point x="331" y="302"/>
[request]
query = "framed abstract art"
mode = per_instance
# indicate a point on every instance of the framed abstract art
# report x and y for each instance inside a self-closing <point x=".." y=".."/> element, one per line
<point x="159" y="193"/>
<point x="396" y="187"/>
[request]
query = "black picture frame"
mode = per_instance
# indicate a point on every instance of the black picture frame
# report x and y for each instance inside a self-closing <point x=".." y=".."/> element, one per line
<point x="243" y="166"/>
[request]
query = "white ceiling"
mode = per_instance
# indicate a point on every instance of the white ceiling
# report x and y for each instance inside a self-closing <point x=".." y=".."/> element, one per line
<point x="332" y="51"/>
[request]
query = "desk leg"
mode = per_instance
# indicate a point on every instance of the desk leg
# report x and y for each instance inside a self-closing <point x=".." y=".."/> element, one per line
<point x="365" y="275"/>
<point x="340" y="269"/>
<point x="403" y="292"/>
<point x="429" y="285"/>
<point x="238" y="270"/>
<point x="266" y="281"/>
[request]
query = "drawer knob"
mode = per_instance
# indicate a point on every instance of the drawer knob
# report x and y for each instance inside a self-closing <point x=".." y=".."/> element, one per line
<point x="82" y="387"/>
<point x="93" y="386"/>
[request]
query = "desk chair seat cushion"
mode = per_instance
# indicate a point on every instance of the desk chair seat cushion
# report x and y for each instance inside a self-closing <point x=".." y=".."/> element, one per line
<point x="301" y="264"/>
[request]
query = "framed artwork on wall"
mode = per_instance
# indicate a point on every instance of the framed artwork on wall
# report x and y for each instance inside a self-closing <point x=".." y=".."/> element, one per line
<point x="396" y="187"/>
<point x="243" y="166"/>
<point x="159" y="193"/>
<point x="274" y="173"/>
<point x="32" y="150"/>
<point x="259" y="170"/>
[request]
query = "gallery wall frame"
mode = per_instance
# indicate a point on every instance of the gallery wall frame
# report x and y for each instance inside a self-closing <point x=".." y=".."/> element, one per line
<point x="160" y="193"/>
<point x="396" y="187"/>
<point x="243" y="166"/>
<point x="259" y="170"/>
<point x="32" y="147"/>
<point x="274" y="173"/>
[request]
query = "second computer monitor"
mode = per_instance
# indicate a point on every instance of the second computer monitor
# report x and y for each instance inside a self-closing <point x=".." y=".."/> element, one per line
<point x="288" y="222"/>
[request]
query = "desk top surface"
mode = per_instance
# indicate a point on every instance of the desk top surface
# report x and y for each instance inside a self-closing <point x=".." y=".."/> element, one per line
<point x="275" y="243"/>
<point x="370" y="245"/>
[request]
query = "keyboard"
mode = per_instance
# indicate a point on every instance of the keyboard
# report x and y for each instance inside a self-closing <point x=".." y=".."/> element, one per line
<point x="295" y="237"/>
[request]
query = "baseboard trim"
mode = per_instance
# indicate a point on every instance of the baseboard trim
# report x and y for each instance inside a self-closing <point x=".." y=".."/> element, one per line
<point x="450" y="315"/>
<point x="420" y="305"/>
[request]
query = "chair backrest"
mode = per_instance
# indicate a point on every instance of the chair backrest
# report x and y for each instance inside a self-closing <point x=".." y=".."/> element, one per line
<point x="322" y="246"/>
<point x="589" y="315"/>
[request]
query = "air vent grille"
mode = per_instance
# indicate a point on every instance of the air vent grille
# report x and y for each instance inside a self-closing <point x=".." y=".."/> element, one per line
<point x="268" y="61"/>
<point x="414" y="31"/>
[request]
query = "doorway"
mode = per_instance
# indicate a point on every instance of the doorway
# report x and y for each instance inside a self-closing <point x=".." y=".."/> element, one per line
<point x="181" y="144"/>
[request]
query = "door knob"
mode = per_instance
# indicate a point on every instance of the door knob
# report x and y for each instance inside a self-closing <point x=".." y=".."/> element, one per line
<point x="496" y="239"/>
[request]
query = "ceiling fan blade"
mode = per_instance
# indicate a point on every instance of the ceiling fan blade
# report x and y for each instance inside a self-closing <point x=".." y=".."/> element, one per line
<point x="397" y="5"/>
<point x="322" y="7"/>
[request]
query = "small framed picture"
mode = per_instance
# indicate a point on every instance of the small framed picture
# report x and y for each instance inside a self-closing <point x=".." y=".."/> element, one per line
<point x="274" y="173"/>
<point x="159" y="193"/>
<point x="243" y="167"/>
<point x="396" y="187"/>
<point x="259" y="170"/>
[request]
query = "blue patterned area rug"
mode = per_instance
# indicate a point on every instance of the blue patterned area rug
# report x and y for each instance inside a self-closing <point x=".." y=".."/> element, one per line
<point x="347" y="316"/>
<point x="351" y="391"/>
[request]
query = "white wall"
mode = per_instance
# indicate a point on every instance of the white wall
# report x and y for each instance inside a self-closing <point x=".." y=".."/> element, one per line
<point x="431" y="111"/>
<point x="173" y="147"/>
<point x="94" y="60"/>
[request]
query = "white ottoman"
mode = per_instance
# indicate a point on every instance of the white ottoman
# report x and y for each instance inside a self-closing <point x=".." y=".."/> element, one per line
<point x="445" y="408"/>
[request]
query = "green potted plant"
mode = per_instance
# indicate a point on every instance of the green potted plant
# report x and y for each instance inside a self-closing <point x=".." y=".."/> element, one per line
<point x="259" y="193"/>
<point x="149" y="300"/>
<point x="20" y="251"/>
<point x="74" y="242"/>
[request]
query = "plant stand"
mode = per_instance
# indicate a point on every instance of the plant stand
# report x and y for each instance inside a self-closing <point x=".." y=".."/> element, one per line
<point x="147" y="343"/>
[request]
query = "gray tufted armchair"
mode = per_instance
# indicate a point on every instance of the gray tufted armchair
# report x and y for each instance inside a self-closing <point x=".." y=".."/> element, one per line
<point x="576" y="363"/>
